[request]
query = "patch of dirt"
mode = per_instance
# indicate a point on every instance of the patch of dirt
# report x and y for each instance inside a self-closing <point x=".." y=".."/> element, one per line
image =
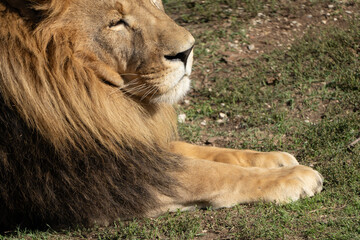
<point x="266" y="33"/>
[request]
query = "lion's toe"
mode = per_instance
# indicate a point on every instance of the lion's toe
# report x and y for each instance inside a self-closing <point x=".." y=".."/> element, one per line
<point x="276" y="160"/>
<point x="287" y="159"/>
<point x="295" y="183"/>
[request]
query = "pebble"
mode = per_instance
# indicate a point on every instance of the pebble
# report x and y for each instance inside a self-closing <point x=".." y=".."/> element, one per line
<point x="295" y="23"/>
<point x="222" y="115"/>
<point x="203" y="123"/>
<point x="257" y="21"/>
<point x="330" y="6"/>
<point x="181" y="118"/>
<point x="251" y="47"/>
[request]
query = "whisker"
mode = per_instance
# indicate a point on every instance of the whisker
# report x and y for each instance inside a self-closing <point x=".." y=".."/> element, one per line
<point x="157" y="89"/>
<point x="134" y="87"/>
<point x="148" y="92"/>
<point x="129" y="74"/>
<point x="134" y="82"/>
<point x="137" y="89"/>
<point x="123" y="87"/>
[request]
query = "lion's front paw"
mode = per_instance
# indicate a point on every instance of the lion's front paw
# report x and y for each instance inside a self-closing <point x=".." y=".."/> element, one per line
<point x="284" y="159"/>
<point x="291" y="183"/>
<point x="273" y="159"/>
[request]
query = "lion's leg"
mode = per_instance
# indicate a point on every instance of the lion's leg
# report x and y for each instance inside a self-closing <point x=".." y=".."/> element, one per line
<point x="206" y="183"/>
<point x="244" y="158"/>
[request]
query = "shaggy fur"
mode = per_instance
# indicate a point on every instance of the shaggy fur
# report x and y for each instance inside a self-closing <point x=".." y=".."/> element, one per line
<point x="67" y="152"/>
<point x="86" y="129"/>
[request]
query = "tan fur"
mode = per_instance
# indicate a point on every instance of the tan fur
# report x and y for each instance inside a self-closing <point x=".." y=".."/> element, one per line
<point x="229" y="177"/>
<point x="244" y="158"/>
<point x="96" y="79"/>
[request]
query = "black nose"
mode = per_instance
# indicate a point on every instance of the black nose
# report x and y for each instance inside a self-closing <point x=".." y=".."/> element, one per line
<point x="182" y="56"/>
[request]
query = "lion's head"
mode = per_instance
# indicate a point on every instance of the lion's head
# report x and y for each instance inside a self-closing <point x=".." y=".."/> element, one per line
<point x="137" y="47"/>
<point x="86" y="91"/>
<point x="95" y="51"/>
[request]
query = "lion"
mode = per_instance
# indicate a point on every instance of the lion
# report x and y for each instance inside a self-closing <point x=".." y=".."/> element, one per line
<point x="88" y="128"/>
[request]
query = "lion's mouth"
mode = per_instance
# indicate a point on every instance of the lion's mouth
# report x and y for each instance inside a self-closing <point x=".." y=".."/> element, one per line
<point x="168" y="88"/>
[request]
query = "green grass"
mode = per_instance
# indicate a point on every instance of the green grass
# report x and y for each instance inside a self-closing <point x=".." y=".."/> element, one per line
<point x="304" y="100"/>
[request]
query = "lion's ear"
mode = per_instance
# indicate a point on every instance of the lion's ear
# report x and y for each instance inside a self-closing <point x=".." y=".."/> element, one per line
<point x="23" y="7"/>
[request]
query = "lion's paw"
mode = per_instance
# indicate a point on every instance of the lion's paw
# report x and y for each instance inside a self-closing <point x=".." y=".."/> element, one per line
<point x="275" y="160"/>
<point x="293" y="183"/>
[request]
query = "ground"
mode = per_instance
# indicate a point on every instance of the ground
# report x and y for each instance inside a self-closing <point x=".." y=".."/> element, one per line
<point x="268" y="75"/>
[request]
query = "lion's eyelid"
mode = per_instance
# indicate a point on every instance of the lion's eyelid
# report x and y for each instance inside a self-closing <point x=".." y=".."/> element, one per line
<point x="119" y="25"/>
<point x="118" y="22"/>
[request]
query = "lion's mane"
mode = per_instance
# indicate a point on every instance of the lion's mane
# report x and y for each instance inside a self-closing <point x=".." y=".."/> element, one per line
<point x="70" y="152"/>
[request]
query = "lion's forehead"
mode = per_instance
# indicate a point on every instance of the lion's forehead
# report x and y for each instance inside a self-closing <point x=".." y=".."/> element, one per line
<point x="122" y="6"/>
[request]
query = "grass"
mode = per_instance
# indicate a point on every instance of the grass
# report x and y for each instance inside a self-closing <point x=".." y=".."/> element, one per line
<point x="304" y="99"/>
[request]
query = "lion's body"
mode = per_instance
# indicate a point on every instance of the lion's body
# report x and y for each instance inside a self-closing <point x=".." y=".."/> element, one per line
<point x="86" y="122"/>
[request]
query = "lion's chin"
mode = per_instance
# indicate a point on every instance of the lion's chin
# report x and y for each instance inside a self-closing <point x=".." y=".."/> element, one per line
<point x="175" y="94"/>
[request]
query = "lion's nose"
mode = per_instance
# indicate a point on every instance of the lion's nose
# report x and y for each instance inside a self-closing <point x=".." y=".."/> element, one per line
<point x="182" y="56"/>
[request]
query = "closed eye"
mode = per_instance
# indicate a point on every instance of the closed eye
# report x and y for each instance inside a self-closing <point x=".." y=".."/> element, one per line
<point x="117" y="23"/>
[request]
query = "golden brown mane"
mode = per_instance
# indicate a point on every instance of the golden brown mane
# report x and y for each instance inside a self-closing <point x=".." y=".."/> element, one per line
<point x="52" y="95"/>
<point x="63" y="98"/>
